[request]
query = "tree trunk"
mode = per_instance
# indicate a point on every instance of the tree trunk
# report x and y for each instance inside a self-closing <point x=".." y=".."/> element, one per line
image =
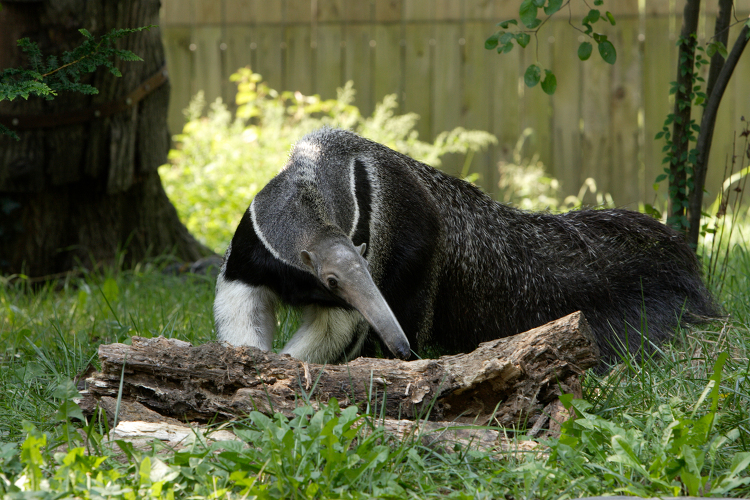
<point x="80" y="193"/>
<point x="511" y="382"/>
<point x="717" y="83"/>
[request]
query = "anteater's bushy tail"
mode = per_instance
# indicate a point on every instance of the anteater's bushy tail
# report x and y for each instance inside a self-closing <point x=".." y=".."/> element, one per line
<point x="647" y="280"/>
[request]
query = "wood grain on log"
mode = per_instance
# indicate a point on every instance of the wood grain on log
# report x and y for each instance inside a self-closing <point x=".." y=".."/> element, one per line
<point x="507" y="382"/>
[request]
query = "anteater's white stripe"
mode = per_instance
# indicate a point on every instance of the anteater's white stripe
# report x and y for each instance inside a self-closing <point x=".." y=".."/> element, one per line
<point x="353" y="189"/>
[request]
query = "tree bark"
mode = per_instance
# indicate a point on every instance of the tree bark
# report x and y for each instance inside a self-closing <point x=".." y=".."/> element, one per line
<point x="76" y="194"/>
<point x="511" y="382"/>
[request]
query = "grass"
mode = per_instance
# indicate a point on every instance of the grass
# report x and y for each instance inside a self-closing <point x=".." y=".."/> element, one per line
<point x="675" y="425"/>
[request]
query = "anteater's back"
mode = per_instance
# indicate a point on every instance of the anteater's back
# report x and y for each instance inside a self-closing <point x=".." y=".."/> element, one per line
<point x="626" y="271"/>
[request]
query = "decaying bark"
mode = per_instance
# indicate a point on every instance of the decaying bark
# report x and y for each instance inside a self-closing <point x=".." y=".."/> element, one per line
<point x="511" y="382"/>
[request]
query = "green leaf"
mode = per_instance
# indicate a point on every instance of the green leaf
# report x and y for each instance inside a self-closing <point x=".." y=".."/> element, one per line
<point x="549" y="84"/>
<point x="660" y="178"/>
<point x="506" y="37"/>
<point x="68" y="410"/>
<point x="532" y="75"/>
<point x="584" y="51"/>
<point x="504" y="24"/>
<point x="6" y="131"/>
<point x="491" y="42"/>
<point x="611" y="18"/>
<point x="592" y="17"/>
<point x="607" y="51"/>
<point x="523" y="39"/>
<point x="716" y="46"/>
<point x="527" y="12"/>
<point x="552" y="7"/>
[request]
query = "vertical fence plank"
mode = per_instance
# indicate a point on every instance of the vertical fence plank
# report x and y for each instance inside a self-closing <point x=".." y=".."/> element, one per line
<point x="387" y="51"/>
<point x="237" y="55"/>
<point x="297" y="12"/>
<point x="267" y="11"/>
<point x="506" y="99"/>
<point x="535" y="104"/>
<point x="239" y="12"/>
<point x="419" y="10"/>
<point x="482" y="11"/>
<point x="329" y="62"/>
<point x="596" y="145"/>
<point x="179" y="63"/>
<point x="417" y="80"/>
<point x="207" y="71"/>
<point x="238" y="52"/>
<point x="299" y="61"/>
<point x="446" y="102"/>
<point x="207" y="12"/>
<point x="476" y="95"/>
<point x="329" y="67"/>
<point x="625" y="98"/>
<point x="175" y="13"/>
<point x="658" y="71"/>
<point x="358" y="11"/>
<point x="330" y="11"/>
<point x="388" y="11"/>
<point x="448" y="10"/>
<point x="566" y="109"/>
<point x="358" y="64"/>
<point x="266" y="46"/>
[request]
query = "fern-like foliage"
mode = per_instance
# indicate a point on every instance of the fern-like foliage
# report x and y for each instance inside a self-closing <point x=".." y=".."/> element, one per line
<point x="48" y="76"/>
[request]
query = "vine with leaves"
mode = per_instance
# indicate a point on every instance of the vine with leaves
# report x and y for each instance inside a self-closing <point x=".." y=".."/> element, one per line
<point x="679" y="157"/>
<point x="528" y="12"/>
<point x="52" y="74"/>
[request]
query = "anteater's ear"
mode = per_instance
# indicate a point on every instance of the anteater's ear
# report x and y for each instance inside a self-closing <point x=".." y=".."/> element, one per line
<point x="309" y="259"/>
<point x="362" y="249"/>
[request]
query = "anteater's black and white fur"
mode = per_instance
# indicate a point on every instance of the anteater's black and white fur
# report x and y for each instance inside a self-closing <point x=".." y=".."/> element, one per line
<point x="367" y="240"/>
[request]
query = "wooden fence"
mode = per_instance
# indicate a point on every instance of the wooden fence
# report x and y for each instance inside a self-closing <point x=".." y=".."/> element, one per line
<point x="600" y="123"/>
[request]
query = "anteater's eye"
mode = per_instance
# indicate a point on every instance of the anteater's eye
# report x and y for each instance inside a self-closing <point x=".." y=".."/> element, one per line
<point x="333" y="283"/>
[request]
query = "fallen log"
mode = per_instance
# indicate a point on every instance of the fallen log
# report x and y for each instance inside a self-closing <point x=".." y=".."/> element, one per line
<point x="510" y="382"/>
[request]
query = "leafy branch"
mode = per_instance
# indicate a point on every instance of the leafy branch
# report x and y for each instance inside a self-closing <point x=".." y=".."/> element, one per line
<point x="48" y="76"/>
<point x="502" y="40"/>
